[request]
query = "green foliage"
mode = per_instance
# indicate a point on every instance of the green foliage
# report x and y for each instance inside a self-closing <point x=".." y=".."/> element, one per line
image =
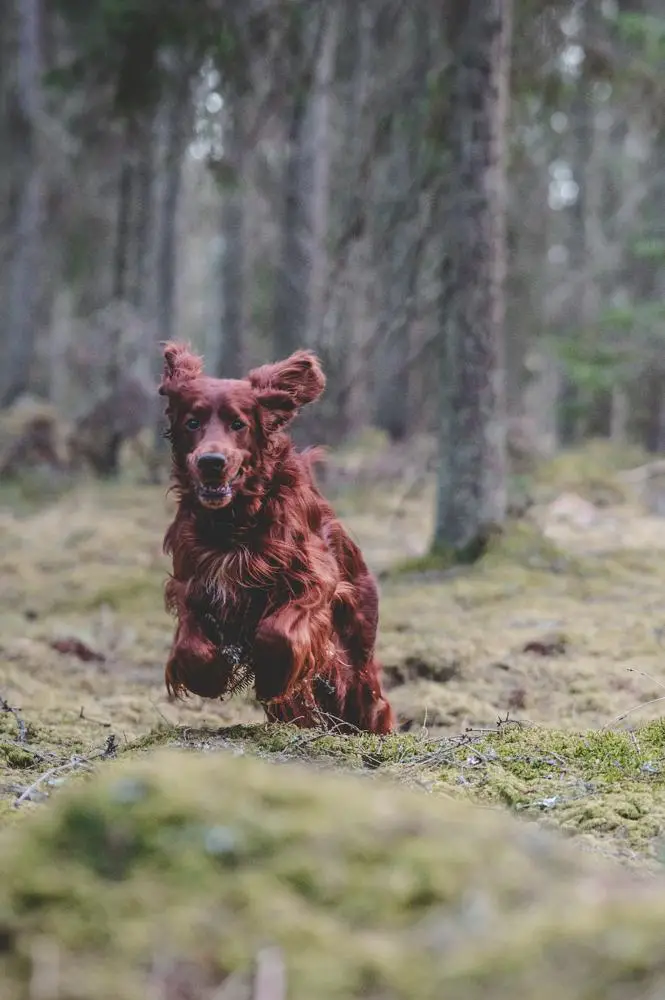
<point x="649" y="248"/>
<point x="119" y="43"/>
<point x="621" y="342"/>
<point x="588" y="364"/>
<point x="645" y="31"/>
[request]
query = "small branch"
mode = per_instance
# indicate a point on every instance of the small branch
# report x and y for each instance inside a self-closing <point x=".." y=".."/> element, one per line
<point x="649" y="677"/>
<point x="22" y="728"/>
<point x="75" y="762"/>
<point x="642" y="704"/>
<point x="624" y="715"/>
<point x="97" y="722"/>
<point x="270" y="977"/>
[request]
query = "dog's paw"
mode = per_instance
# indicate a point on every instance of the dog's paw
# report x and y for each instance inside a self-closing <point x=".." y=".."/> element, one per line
<point x="195" y="666"/>
<point x="274" y="657"/>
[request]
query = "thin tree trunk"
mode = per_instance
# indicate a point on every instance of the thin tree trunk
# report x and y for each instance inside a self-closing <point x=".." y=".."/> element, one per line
<point x="293" y="270"/>
<point x="122" y="231"/>
<point x="349" y="337"/>
<point x="471" y="501"/>
<point x="172" y="131"/>
<point x="318" y="126"/>
<point x="231" y="362"/>
<point x="144" y="175"/>
<point x="25" y="270"/>
<point x="619" y="415"/>
<point x="585" y="300"/>
<point x="176" y="133"/>
<point x="402" y="244"/>
<point x="299" y="289"/>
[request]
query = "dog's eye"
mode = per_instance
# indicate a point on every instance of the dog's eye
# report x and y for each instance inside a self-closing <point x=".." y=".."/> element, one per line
<point x="238" y="424"/>
<point x="192" y="424"/>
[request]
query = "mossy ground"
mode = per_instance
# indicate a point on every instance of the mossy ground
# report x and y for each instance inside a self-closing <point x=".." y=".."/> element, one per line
<point x="170" y="876"/>
<point x="560" y="626"/>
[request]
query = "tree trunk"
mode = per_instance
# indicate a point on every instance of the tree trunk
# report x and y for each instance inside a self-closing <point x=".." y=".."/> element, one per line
<point x="293" y="269"/>
<point x="584" y="249"/>
<point x="20" y="333"/>
<point x="619" y="415"/>
<point x="401" y="238"/>
<point x="175" y="129"/>
<point x="131" y="277"/>
<point x="303" y="264"/>
<point x="347" y="337"/>
<point x="471" y="501"/>
<point x="231" y="362"/>
<point x="318" y="130"/>
<point x="172" y="132"/>
<point x="122" y="231"/>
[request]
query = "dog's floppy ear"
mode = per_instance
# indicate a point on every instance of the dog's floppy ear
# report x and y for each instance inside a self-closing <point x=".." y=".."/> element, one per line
<point x="180" y="365"/>
<point x="283" y="387"/>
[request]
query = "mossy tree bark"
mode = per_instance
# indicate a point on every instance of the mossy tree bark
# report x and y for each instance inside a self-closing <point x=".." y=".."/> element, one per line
<point x="25" y="105"/>
<point x="231" y="360"/>
<point x="471" y="501"/>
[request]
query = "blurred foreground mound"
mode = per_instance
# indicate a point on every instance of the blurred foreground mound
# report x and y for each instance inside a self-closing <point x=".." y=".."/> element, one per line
<point x="170" y="876"/>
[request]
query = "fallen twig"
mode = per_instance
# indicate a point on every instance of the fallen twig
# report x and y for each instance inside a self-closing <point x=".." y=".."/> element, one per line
<point x="108" y="750"/>
<point x="28" y="792"/>
<point x="270" y="977"/>
<point x="97" y="722"/>
<point x="649" y="677"/>
<point x="624" y="715"/>
<point x="22" y="728"/>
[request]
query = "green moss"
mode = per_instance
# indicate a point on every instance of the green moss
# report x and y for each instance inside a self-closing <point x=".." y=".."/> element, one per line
<point x="605" y="782"/>
<point x="161" y="736"/>
<point x="591" y="471"/>
<point x="15" y="756"/>
<point x="133" y="591"/>
<point x="430" y="562"/>
<point x="198" y="863"/>
<point x="523" y="544"/>
<point x="363" y="749"/>
<point x="520" y="543"/>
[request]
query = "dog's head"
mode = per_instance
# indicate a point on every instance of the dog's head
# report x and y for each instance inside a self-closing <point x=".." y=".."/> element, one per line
<point x="219" y="427"/>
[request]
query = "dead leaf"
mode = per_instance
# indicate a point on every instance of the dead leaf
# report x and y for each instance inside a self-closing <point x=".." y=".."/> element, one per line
<point x="548" y="645"/>
<point x="77" y="648"/>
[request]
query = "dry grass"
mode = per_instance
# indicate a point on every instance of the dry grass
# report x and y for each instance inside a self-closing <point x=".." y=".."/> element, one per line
<point x="560" y="626"/>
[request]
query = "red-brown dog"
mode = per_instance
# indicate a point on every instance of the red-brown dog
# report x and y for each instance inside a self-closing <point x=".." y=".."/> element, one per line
<point x="267" y="586"/>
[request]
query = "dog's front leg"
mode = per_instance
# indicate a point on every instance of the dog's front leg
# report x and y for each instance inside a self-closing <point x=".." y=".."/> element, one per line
<point x="195" y="663"/>
<point x="191" y="665"/>
<point x="289" y="646"/>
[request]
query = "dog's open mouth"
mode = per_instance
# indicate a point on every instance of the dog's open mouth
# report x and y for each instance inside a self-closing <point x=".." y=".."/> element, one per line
<point x="216" y="494"/>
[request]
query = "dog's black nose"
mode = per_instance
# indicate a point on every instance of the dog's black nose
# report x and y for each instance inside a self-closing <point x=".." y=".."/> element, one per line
<point x="212" y="463"/>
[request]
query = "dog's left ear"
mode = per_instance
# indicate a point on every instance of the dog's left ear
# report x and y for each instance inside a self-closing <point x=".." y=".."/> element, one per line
<point x="283" y="387"/>
<point x="300" y="376"/>
<point x="180" y="365"/>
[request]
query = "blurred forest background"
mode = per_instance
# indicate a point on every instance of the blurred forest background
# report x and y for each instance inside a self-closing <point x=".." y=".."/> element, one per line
<point x="261" y="175"/>
<point x="460" y="206"/>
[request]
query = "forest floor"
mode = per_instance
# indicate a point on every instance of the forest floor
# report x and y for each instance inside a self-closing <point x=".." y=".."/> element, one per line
<point x="532" y="683"/>
<point x="558" y="635"/>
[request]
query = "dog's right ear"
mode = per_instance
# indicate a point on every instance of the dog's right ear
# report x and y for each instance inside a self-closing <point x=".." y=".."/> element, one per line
<point x="180" y="365"/>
